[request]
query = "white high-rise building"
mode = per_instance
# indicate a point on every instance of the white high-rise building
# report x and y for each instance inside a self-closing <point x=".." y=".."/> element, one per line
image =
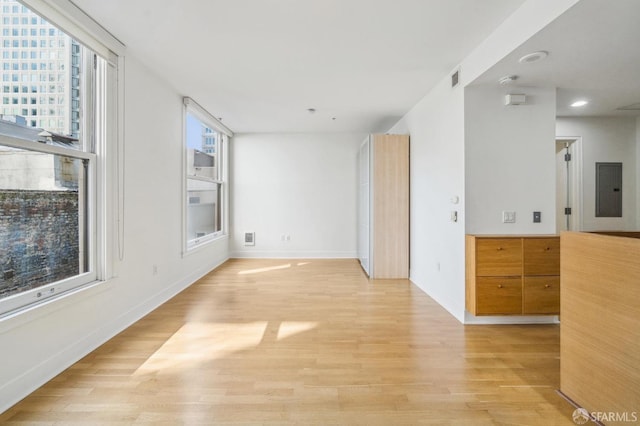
<point x="39" y="71"/>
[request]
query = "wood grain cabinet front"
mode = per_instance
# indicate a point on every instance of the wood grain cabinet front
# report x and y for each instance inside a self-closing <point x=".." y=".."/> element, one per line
<point x="499" y="257"/>
<point x="513" y="275"/>
<point x="499" y="295"/>
<point x="383" y="205"/>
<point x="541" y="256"/>
<point x="541" y="295"/>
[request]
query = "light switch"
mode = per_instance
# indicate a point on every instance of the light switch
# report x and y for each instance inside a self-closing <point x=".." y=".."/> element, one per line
<point x="508" y="217"/>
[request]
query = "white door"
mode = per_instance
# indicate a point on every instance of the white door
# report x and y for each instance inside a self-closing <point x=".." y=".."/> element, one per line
<point x="568" y="185"/>
<point x="363" y="206"/>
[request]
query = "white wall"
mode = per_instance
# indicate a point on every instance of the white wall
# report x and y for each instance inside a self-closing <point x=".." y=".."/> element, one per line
<point x="300" y="185"/>
<point x="436" y="125"/>
<point x="605" y="139"/>
<point x="436" y="128"/>
<point x="638" y="172"/>
<point x="38" y="344"/>
<point x="510" y="161"/>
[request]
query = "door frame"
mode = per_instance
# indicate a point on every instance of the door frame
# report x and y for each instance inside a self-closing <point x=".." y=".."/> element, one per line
<point x="575" y="181"/>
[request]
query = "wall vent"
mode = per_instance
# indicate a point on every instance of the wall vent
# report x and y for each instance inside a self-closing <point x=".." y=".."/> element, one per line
<point x="455" y="78"/>
<point x="249" y="238"/>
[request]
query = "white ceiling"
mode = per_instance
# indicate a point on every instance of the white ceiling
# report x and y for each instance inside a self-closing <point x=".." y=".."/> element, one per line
<point x="259" y="64"/>
<point x="594" y="54"/>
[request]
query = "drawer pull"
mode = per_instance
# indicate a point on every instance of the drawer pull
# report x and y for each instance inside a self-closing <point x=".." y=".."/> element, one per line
<point x="548" y="248"/>
<point x="547" y="285"/>
<point x="499" y="285"/>
<point x="499" y="249"/>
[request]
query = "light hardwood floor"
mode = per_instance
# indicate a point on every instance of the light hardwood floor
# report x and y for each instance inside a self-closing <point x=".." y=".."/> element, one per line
<point x="307" y="342"/>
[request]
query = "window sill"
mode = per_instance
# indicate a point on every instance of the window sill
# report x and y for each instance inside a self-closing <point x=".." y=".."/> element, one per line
<point x="38" y="310"/>
<point x="204" y="244"/>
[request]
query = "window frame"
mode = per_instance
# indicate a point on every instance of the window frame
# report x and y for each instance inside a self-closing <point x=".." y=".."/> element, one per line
<point x="25" y="299"/>
<point x="193" y="108"/>
<point x="102" y="147"/>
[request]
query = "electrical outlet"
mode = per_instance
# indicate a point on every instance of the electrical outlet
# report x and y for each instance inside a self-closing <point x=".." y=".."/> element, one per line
<point x="508" y="217"/>
<point x="537" y="217"/>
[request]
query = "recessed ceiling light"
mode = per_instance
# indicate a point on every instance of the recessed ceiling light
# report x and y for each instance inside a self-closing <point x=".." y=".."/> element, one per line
<point x="533" y="57"/>
<point x="578" y="104"/>
<point x="311" y="110"/>
<point x="507" y="79"/>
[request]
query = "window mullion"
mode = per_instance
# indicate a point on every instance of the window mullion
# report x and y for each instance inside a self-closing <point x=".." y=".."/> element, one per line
<point x="43" y="147"/>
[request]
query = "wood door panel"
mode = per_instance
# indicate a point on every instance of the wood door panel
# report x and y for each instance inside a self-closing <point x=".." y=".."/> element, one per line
<point x="390" y="206"/>
<point x="600" y="325"/>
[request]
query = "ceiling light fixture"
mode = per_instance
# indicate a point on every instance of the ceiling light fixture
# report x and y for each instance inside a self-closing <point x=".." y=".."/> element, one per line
<point x="578" y="104"/>
<point x="311" y="110"/>
<point x="507" y="79"/>
<point x="533" y="57"/>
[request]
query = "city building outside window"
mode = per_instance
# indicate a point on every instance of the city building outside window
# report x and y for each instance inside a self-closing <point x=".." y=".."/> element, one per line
<point x="205" y="144"/>
<point x="48" y="174"/>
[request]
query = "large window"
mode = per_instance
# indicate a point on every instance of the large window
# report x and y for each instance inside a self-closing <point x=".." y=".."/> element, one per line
<point x="205" y="177"/>
<point x="50" y="151"/>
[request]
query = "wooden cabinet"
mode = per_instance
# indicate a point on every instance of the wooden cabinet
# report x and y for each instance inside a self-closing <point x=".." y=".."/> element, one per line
<point x="499" y="257"/>
<point x="513" y="275"/>
<point x="541" y="295"/>
<point x="383" y="240"/>
<point x="600" y="327"/>
<point x="541" y="256"/>
<point x="499" y="295"/>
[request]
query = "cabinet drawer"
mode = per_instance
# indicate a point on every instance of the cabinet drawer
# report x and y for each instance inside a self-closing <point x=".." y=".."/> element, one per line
<point x="541" y="295"/>
<point x="498" y="295"/>
<point x="541" y="256"/>
<point x="498" y="256"/>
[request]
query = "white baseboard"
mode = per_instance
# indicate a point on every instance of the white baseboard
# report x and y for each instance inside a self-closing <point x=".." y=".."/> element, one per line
<point x="509" y="319"/>
<point x="466" y="318"/>
<point x="293" y="254"/>
<point x="442" y="303"/>
<point x="33" y="378"/>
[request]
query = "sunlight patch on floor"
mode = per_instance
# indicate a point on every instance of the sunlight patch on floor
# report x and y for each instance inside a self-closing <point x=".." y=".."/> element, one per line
<point x="267" y="269"/>
<point x="201" y="342"/>
<point x="289" y="328"/>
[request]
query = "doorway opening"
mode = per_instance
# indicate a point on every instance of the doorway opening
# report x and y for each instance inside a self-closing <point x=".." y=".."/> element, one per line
<point x="568" y="183"/>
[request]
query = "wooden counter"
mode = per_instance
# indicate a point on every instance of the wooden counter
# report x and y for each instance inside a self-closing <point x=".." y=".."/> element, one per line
<point x="600" y="324"/>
